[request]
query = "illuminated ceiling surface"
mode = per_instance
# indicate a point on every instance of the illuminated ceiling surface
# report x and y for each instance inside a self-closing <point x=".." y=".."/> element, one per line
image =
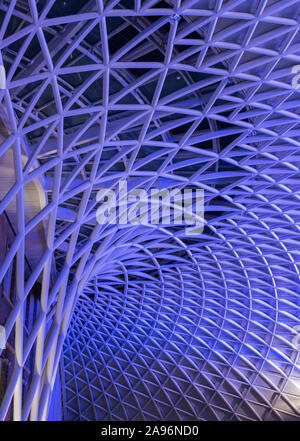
<point x="147" y="322"/>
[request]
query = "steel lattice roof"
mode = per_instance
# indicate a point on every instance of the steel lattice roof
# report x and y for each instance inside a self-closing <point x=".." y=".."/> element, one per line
<point x="151" y="323"/>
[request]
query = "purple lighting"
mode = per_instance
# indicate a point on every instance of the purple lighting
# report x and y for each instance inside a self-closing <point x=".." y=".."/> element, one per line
<point x="122" y="321"/>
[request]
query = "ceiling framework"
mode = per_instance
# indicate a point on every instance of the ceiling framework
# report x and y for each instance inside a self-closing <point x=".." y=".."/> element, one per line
<point x="151" y="323"/>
